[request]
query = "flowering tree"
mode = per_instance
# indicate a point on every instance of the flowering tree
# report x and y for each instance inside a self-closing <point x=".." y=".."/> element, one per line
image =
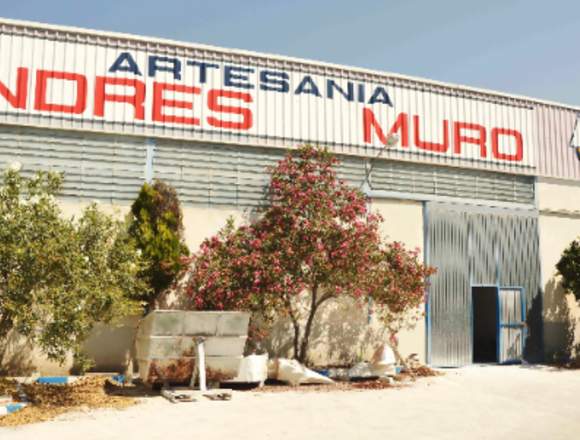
<point x="400" y="281"/>
<point x="317" y="236"/>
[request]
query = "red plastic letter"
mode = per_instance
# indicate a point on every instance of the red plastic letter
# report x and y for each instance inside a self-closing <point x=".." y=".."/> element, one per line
<point x="40" y="101"/>
<point x="213" y="98"/>
<point x="432" y="146"/>
<point x="519" y="153"/>
<point x="460" y="138"/>
<point x="18" y="99"/>
<point x="159" y="102"/>
<point x="136" y="100"/>
<point x="370" y="122"/>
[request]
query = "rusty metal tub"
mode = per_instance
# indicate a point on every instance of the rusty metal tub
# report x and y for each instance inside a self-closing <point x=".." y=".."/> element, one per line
<point x="166" y="348"/>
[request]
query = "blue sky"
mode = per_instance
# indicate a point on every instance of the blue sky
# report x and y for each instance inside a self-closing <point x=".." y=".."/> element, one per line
<point x="523" y="47"/>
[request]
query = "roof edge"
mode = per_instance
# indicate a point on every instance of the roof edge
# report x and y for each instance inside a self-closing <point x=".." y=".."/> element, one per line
<point x="244" y="52"/>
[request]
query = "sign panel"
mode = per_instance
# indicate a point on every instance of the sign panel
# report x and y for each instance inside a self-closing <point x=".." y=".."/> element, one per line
<point x="191" y="93"/>
<point x="575" y="141"/>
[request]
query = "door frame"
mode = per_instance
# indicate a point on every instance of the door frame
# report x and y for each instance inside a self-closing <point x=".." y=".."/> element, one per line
<point x="523" y="326"/>
<point x="499" y="325"/>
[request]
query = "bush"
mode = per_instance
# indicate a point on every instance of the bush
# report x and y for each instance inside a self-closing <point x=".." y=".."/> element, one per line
<point x="569" y="268"/>
<point x="58" y="276"/>
<point x="315" y="236"/>
<point x="157" y="228"/>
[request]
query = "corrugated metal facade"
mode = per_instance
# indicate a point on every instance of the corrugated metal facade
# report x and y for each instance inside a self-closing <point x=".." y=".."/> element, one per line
<point x="100" y="167"/>
<point x="229" y="176"/>
<point x="463" y="184"/>
<point x="111" y="168"/>
<point x="556" y="157"/>
<point x="281" y="120"/>
<point x="501" y="248"/>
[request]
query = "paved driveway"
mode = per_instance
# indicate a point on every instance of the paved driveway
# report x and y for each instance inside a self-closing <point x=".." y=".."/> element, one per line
<point x="487" y="402"/>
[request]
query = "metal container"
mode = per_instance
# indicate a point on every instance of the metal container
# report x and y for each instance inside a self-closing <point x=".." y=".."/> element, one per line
<point x="166" y="344"/>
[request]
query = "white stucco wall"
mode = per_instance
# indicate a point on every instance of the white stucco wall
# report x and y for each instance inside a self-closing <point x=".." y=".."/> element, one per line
<point x="404" y="223"/>
<point x="203" y="222"/>
<point x="343" y="334"/>
<point x="559" y="204"/>
<point x="199" y="222"/>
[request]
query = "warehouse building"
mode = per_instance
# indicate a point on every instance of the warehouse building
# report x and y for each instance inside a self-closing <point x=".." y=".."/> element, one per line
<point x="487" y="184"/>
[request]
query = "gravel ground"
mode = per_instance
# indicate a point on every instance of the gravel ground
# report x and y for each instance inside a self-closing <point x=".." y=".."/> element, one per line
<point x="487" y="402"/>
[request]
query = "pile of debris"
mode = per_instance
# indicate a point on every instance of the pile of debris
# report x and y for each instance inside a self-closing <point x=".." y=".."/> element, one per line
<point x="30" y="401"/>
<point x="7" y="387"/>
<point x="44" y="401"/>
<point x="383" y="371"/>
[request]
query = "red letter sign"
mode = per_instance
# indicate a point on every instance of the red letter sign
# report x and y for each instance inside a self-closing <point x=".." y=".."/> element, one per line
<point x="401" y="124"/>
<point x="460" y="138"/>
<point x="40" y="101"/>
<point x="431" y="146"/>
<point x="135" y="100"/>
<point x="159" y="102"/>
<point x="18" y="99"/>
<point x="213" y="98"/>
<point x="519" y="153"/>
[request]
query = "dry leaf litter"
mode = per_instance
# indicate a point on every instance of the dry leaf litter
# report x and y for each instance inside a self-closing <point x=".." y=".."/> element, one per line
<point x="46" y="401"/>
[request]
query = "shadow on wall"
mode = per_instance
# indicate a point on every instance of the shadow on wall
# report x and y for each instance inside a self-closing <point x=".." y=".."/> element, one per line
<point x="111" y="347"/>
<point x="341" y="335"/>
<point x="560" y="314"/>
<point x="534" y="351"/>
<point x="16" y="356"/>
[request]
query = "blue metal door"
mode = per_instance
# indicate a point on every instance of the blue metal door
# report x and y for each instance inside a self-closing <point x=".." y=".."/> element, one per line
<point x="511" y="330"/>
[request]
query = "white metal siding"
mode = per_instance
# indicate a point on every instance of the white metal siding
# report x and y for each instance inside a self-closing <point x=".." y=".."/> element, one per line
<point x="451" y="182"/>
<point x="556" y="157"/>
<point x="96" y="167"/>
<point x="224" y="175"/>
<point x="112" y="168"/>
<point x="288" y="120"/>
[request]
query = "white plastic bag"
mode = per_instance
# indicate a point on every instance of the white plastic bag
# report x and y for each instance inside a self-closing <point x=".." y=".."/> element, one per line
<point x="293" y="372"/>
<point x="361" y="370"/>
<point x="253" y="368"/>
<point x="383" y="361"/>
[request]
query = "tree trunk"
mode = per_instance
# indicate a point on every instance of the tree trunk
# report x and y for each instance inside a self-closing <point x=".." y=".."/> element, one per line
<point x="6" y="324"/>
<point x="395" y="347"/>
<point x="301" y="345"/>
<point x="296" y="336"/>
<point x="295" y="325"/>
<point x="315" y="303"/>
<point x="308" y="328"/>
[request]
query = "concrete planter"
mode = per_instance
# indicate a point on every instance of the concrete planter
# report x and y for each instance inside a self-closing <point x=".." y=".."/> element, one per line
<point x="166" y="349"/>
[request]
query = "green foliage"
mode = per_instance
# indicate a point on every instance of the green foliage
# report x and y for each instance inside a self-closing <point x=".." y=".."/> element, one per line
<point x="58" y="276"/>
<point x="82" y="363"/>
<point x="157" y="228"/>
<point x="569" y="268"/>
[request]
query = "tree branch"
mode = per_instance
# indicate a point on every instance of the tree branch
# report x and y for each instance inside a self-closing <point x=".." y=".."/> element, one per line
<point x="296" y="326"/>
<point x="325" y="298"/>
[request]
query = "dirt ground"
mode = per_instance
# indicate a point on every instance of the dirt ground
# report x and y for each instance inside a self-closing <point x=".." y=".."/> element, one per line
<point x="481" y="402"/>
